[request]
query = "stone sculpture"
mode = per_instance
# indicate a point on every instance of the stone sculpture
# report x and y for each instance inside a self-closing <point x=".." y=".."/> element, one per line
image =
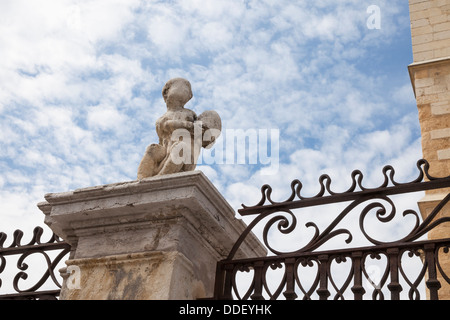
<point x="181" y="133"/>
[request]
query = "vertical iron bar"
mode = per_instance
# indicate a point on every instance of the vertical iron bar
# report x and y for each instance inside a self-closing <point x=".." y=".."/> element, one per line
<point x="219" y="281"/>
<point x="394" y="286"/>
<point x="226" y="283"/>
<point x="290" y="279"/>
<point x="259" y="268"/>
<point x="357" y="289"/>
<point x="432" y="283"/>
<point x="323" y="274"/>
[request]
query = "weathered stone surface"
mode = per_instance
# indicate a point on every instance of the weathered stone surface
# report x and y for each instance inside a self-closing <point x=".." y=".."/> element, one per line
<point x="139" y="276"/>
<point x="181" y="214"/>
<point x="181" y="134"/>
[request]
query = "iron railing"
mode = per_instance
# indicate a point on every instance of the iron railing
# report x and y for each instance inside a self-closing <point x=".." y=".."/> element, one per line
<point x="60" y="249"/>
<point x="292" y="283"/>
<point x="318" y="264"/>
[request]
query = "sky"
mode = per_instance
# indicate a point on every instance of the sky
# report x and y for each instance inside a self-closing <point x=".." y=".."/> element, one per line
<point x="81" y="88"/>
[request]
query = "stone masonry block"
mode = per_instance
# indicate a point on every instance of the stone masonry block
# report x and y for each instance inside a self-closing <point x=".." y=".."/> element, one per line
<point x="155" y="238"/>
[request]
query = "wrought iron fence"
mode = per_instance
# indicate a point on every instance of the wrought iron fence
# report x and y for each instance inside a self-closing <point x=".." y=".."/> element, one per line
<point x="318" y="264"/>
<point x="310" y="259"/>
<point x="60" y="249"/>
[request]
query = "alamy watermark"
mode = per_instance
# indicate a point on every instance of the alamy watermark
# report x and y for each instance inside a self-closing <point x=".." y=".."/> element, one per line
<point x="374" y="19"/>
<point x="235" y="146"/>
<point x="72" y="276"/>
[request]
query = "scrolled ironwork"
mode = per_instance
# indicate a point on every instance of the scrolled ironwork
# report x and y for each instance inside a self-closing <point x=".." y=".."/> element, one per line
<point x="242" y="268"/>
<point x="38" y="247"/>
<point x="279" y="216"/>
<point x="377" y="293"/>
<point x="273" y="266"/>
<point x="446" y="250"/>
<point x="384" y="215"/>
<point x="278" y="210"/>
<point x="413" y="292"/>
<point x="284" y="226"/>
<point x="307" y="262"/>
<point x="340" y="258"/>
<point x="325" y="186"/>
<point x="36" y="238"/>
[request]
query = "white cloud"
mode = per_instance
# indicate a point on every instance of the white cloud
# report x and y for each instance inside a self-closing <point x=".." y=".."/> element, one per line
<point x="105" y="118"/>
<point x="168" y="33"/>
<point x="404" y="94"/>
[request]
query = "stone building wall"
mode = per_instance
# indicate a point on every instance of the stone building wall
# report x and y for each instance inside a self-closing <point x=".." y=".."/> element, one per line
<point x="430" y="29"/>
<point x="430" y="78"/>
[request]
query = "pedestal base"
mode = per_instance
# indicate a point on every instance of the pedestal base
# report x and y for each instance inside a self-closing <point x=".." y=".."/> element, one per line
<point x="156" y="238"/>
<point x="137" y="276"/>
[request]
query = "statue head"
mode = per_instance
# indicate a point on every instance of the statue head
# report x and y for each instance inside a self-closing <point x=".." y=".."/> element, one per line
<point x="177" y="92"/>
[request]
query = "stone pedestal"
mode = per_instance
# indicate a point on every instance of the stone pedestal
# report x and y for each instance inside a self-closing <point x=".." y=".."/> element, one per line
<point x="156" y="238"/>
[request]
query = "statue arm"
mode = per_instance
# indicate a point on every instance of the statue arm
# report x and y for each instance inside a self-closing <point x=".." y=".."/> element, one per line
<point x="171" y="125"/>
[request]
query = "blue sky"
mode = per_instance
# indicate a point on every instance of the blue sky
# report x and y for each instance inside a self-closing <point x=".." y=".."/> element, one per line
<point x="81" y="90"/>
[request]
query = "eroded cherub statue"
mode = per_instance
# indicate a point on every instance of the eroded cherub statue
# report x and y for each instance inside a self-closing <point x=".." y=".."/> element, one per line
<point x="181" y="133"/>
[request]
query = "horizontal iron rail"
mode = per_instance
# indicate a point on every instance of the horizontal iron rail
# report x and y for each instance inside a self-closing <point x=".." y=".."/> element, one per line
<point x="348" y="196"/>
<point x="381" y="247"/>
<point x="34" y="247"/>
<point x="30" y="295"/>
<point x="428" y="249"/>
